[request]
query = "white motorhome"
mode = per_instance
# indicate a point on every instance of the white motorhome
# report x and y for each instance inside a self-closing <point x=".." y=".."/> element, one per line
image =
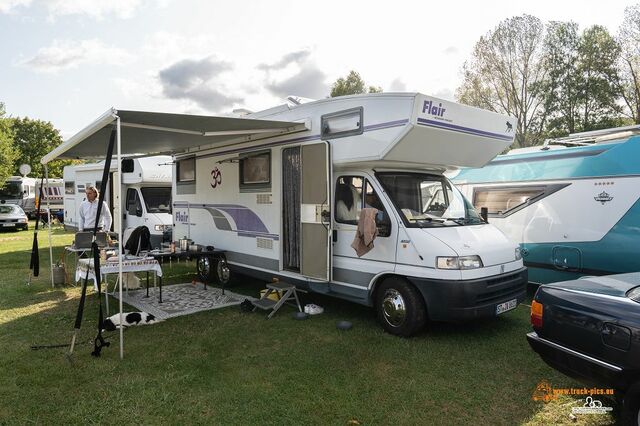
<point x="287" y="206"/>
<point x="146" y="194"/>
<point x="24" y="192"/>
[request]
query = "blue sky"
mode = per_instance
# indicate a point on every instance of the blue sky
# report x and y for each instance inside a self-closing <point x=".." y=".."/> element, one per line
<point x="68" y="61"/>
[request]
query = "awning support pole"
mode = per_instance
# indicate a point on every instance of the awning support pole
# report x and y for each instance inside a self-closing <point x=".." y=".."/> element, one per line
<point x="46" y="176"/>
<point x="120" y="242"/>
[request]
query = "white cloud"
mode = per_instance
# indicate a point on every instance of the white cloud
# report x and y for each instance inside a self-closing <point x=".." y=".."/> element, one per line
<point x="296" y="74"/>
<point x="8" y="6"/>
<point x="95" y="9"/>
<point x="397" y="85"/>
<point x="65" y="54"/>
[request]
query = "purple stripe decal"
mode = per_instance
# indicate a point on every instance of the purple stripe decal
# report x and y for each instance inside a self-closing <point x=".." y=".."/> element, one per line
<point x="431" y="123"/>
<point x="371" y="127"/>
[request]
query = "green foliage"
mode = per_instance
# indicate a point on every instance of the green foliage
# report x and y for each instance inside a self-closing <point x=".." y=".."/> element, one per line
<point x="33" y="140"/>
<point x="629" y="62"/>
<point x="353" y="84"/>
<point x="7" y="153"/>
<point x="505" y="72"/>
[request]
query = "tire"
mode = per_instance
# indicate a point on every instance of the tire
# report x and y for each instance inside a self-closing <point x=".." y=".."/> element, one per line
<point x="205" y="266"/>
<point x="222" y="272"/>
<point x="400" y="307"/>
<point x="631" y="406"/>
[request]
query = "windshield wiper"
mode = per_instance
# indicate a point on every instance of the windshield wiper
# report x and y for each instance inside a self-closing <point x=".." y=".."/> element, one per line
<point x="458" y="220"/>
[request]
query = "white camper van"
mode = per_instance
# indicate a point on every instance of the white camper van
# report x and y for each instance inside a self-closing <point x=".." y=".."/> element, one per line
<point x="24" y="192"/>
<point x="288" y="207"/>
<point x="146" y="194"/>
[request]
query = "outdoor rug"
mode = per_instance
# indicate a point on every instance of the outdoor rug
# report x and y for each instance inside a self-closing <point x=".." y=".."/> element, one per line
<point x="180" y="299"/>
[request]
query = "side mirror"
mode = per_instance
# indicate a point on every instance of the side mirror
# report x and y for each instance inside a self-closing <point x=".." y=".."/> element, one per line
<point x="139" y="211"/>
<point x="383" y="223"/>
<point x="484" y="214"/>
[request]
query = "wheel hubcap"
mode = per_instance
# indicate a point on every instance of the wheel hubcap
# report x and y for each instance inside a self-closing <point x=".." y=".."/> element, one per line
<point x="223" y="271"/>
<point x="393" y="308"/>
<point x="204" y="266"/>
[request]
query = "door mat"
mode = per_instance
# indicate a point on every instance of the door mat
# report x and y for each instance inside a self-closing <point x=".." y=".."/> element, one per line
<point x="181" y="299"/>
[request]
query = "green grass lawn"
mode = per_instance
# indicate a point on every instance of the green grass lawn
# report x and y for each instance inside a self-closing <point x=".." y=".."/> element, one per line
<point x="228" y="367"/>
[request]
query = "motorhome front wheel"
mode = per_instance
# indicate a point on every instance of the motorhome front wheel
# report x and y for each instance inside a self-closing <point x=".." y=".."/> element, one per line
<point x="400" y="307"/>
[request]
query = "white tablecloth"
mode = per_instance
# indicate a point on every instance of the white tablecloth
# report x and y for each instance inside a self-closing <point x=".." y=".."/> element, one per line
<point x="133" y="265"/>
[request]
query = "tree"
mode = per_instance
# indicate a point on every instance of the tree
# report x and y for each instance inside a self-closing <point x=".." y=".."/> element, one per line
<point x="598" y="79"/>
<point x="629" y="42"/>
<point x="504" y="73"/>
<point x="352" y="85"/>
<point x="33" y="139"/>
<point x="7" y="152"/>
<point x="560" y="87"/>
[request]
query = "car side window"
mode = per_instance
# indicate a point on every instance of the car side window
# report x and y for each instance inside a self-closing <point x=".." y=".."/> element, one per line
<point x="133" y="202"/>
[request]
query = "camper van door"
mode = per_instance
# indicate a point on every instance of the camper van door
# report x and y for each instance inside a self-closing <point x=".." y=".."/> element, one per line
<point x="315" y="211"/>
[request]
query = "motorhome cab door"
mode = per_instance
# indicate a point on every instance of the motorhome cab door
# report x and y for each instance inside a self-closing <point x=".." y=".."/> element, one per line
<point x="306" y="177"/>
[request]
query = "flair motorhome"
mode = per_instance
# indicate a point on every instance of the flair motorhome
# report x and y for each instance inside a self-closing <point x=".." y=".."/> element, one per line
<point x="146" y="194"/>
<point x="572" y="204"/>
<point x="287" y="206"/>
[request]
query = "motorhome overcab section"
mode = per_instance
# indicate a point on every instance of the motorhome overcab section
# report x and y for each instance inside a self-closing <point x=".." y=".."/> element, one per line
<point x="287" y="207"/>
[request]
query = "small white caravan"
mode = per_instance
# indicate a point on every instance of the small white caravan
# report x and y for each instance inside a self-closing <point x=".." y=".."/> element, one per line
<point x="24" y="192"/>
<point x="287" y="206"/>
<point x="146" y="194"/>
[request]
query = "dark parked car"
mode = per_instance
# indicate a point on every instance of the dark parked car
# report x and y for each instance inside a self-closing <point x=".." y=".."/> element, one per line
<point x="589" y="329"/>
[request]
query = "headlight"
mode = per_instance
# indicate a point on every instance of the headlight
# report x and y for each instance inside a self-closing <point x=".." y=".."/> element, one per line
<point x="458" y="262"/>
<point x="518" y="253"/>
<point x="161" y="227"/>
<point x="23" y="220"/>
<point x="634" y="294"/>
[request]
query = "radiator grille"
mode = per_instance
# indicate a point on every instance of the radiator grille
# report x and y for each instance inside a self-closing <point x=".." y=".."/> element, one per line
<point x="263" y="198"/>
<point x="264" y="243"/>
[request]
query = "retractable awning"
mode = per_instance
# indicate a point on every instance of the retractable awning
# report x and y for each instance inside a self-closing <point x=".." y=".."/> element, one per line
<point x="154" y="133"/>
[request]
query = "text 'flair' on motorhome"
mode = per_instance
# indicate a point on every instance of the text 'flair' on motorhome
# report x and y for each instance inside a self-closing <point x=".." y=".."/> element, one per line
<point x="145" y="194"/>
<point x="288" y="206"/>
<point x="573" y="203"/>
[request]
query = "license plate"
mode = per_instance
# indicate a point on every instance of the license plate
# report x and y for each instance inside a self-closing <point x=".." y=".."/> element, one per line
<point x="8" y="224"/>
<point x="506" y="306"/>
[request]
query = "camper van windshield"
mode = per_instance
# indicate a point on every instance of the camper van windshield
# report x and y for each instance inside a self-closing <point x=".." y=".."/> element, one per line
<point x="157" y="200"/>
<point x="10" y="190"/>
<point x="428" y="200"/>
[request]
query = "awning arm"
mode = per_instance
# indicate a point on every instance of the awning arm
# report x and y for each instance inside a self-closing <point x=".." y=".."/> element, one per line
<point x="102" y="121"/>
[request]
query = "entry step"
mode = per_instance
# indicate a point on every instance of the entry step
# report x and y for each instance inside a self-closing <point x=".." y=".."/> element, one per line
<point x="264" y="303"/>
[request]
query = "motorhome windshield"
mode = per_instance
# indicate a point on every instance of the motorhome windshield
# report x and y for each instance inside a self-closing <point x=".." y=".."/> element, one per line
<point x="10" y="190"/>
<point x="428" y="200"/>
<point x="157" y="200"/>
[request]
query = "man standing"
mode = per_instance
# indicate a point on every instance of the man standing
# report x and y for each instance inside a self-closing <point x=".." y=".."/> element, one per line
<point x="89" y="210"/>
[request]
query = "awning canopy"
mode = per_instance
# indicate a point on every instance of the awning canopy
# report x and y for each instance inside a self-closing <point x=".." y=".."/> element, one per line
<point x="154" y="133"/>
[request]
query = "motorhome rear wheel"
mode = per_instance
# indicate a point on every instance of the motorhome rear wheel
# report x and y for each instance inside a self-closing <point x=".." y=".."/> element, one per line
<point x="223" y="273"/>
<point x="400" y="307"/>
<point x="205" y="269"/>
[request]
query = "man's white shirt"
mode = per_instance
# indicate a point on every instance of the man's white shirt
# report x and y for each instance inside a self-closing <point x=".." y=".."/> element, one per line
<point x="88" y="211"/>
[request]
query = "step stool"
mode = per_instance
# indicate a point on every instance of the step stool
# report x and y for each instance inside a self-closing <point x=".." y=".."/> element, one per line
<point x="289" y="293"/>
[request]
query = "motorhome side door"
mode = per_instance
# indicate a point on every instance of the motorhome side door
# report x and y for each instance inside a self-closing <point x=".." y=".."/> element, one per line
<point x="315" y="211"/>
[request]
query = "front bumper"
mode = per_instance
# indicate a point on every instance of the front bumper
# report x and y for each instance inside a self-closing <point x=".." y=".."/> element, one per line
<point x="465" y="300"/>
<point x="579" y="365"/>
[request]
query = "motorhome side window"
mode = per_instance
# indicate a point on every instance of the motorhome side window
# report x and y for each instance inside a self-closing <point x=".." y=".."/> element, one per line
<point x="69" y="187"/>
<point x="499" y="201"/>
<point x="255" y="172"/>
<point x="186" y="170"/>
<point x="342" y="123"/>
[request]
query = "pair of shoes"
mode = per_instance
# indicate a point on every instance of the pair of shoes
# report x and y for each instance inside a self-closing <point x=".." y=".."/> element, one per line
<point x="312" y="309"/>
